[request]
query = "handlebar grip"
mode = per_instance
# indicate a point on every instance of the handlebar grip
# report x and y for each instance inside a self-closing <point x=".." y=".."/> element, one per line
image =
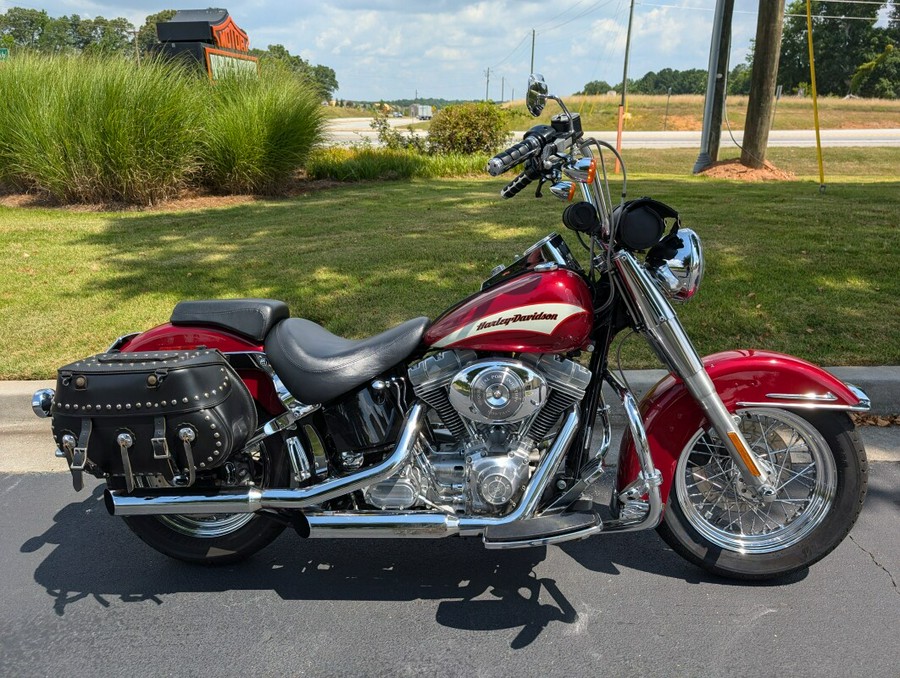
<point x="526" y="176"/>
<point x="513" y="155"/>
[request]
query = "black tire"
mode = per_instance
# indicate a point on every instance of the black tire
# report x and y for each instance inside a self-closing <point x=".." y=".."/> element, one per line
<point x="826" y="525"/>
<point x="173" y="535"/>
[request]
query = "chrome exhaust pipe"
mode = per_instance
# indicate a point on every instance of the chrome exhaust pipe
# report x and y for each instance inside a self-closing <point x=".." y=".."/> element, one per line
<point x="383" y="524"/>
<point x="400" y="525"/>
<point x="252" y="499"/>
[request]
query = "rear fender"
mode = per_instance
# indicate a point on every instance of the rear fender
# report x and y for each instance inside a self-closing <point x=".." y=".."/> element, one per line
<point x="742" y="378"/>
<point x="168" y="337"/>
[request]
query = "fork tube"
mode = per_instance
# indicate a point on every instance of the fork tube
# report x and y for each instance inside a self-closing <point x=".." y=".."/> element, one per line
<point x="658" y="323"/>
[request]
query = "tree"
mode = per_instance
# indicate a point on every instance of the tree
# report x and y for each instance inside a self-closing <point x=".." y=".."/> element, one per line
<point x="595" y="87"/>
<point x="879" y="78"/>
<point x="760" y="105"/>
<point x="36" y="30"/>
<point x="24" y="25"/>
<point x="326" y="78"/>
<point x="278" y="56"/>
<point x="739" y="79"/>
<point x="841" y="45"/>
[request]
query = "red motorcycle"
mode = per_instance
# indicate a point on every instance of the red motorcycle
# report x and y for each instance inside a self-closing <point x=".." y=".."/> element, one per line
<point x="220" y="428"/>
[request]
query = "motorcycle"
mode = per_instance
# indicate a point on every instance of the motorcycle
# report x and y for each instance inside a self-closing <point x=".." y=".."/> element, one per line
<point x="219" y="429"/>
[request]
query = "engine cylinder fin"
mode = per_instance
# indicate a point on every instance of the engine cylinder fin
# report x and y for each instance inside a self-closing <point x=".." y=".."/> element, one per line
<point x="438" y="400"/>
<point x="550" y="414"/>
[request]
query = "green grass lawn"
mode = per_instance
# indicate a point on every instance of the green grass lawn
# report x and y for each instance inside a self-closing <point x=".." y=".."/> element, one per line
<point x="788" y="268"/>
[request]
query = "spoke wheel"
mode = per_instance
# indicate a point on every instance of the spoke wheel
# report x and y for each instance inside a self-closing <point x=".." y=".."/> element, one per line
<point x="818" y="467"/>
<point x="722" y="508"/>
<point x="221" y="538"/>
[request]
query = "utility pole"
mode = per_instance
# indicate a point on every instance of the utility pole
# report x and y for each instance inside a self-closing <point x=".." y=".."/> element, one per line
<point x="137" y="51"/>
<point x="621" y="124"/>
<point x="502" y="88"/>
<point x="715" y="85"/>
<point x="532" y="50"/>
<point x="487" y="84"/>
<point x="762" y="82"/>
<point x="718" y="110"/>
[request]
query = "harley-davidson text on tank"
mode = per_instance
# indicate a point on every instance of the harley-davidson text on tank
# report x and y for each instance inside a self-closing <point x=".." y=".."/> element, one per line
<point x="546" y="312"/>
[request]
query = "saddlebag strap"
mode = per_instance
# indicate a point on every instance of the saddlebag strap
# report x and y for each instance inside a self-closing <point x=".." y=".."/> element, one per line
<point x="79" y="454"/>
<point x="187" y="436"/>
<point x="125" y="441"/>
<point x="158" y="441"/>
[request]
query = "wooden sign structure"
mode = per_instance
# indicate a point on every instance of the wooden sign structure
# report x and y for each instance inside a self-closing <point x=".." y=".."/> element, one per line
<point x="210" y="37"/>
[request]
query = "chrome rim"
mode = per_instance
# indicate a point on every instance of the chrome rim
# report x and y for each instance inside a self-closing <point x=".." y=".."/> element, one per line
<point x="206" y="526"/>
<point x="718" y="504"/>
<point x="211" y="525"/>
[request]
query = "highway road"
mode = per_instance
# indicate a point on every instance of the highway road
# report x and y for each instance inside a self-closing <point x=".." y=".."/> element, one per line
<point x="346" y="131"/>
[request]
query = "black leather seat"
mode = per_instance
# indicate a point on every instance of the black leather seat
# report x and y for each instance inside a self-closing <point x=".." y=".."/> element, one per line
<point x="251" y="318"/>
<point x="318" y="366"/>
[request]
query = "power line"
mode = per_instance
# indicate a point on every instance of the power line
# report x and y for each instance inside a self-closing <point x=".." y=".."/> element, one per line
<point x="590" y="9"/>
<point x="556" y="16"/>
<point x="514" y="50"/>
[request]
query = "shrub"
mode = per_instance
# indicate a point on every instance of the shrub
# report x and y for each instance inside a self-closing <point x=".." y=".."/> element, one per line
<point x="94" y="129"/>
<point x="258" y="131"/>
<point x="393" y="139"/>
<point x="468" y="128"/>
<point x="369" y="164"/>
<point x="364" y="164"/>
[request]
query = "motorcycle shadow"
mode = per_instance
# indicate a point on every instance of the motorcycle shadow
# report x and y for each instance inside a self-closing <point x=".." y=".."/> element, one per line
<point x="475" y="589"/>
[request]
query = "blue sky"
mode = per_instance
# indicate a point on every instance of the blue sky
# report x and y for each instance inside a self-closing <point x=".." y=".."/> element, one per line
<point x="390" y="49"/>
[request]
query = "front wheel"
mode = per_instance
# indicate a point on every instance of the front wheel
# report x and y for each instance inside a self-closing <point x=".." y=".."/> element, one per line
<point x="820" y="473"/>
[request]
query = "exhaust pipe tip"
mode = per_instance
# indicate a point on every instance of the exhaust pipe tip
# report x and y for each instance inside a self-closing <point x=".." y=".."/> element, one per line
<point x="110" y="504"/>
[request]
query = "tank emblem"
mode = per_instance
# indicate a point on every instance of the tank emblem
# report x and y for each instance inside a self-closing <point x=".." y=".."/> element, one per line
<point x="539" y="318"/>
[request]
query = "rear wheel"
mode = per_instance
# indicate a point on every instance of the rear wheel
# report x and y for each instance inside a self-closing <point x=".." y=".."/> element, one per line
<point x="221" y="538"/>
<point x="820" y="473"/>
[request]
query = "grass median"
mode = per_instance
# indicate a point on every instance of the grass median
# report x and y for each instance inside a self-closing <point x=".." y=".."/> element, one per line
<point x="788" y="268"/>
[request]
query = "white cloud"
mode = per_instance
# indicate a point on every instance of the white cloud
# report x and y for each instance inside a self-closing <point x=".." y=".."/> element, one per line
<point x="389" y="48"/>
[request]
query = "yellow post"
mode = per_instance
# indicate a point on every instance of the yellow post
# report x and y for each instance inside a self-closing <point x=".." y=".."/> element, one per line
<point x="812" y="75"/>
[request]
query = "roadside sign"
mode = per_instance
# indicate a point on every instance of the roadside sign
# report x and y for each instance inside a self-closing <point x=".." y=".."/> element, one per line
<point x="4" y="53"/>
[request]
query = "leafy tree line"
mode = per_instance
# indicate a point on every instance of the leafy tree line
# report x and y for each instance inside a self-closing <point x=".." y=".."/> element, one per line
<point x="33" y="30"/>
<point x="691" y="81"/>
<point x="853" y="56"/>
<point x="844" y="47"/>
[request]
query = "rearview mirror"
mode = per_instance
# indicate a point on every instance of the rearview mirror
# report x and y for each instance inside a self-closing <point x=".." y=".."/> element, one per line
<point x="537" y="94"/>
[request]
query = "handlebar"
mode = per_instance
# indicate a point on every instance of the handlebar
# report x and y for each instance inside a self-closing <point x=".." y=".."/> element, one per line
<point x="526" y="176"/>
<point x="535" y="140"/>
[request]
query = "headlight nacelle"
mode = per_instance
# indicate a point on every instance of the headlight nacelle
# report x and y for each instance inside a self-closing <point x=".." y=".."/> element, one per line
<point x="679" y="277"/>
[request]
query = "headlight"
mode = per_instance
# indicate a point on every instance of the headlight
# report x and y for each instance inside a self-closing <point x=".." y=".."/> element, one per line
<point x="679" y="277"/>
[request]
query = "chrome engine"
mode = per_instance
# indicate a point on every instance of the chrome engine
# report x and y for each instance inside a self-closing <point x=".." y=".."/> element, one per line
<point x="490" y="418"/>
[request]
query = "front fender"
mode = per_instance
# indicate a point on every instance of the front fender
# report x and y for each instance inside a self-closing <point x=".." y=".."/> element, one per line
<point x="742" y="378"/>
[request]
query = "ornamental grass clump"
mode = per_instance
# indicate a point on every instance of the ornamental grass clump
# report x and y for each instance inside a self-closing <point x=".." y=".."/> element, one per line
<point x="97" y="129"/>
<point x="258" y="131"/>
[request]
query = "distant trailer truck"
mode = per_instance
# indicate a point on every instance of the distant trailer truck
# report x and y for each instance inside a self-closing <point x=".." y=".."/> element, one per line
<point x="420" y="111"/>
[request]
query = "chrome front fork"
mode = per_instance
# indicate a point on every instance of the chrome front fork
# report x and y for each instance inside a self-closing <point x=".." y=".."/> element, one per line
<point x="659" y="324"/>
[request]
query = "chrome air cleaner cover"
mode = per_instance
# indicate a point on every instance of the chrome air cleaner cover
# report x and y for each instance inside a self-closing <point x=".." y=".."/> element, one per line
<point x="497" y="391"/>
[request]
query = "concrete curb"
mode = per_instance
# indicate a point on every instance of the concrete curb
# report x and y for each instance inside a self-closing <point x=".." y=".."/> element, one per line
<point x="25" y="444"/>
<point x="881" y="383"/>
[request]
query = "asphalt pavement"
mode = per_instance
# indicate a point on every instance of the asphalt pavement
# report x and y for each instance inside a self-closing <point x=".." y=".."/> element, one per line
<point x="81" y="595"/>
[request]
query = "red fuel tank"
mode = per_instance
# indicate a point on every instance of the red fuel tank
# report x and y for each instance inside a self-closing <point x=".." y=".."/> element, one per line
<point x="537" y="312"/>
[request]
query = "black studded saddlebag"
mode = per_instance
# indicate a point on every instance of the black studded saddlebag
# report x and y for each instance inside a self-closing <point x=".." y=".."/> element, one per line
<point x="161" y="413"/>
